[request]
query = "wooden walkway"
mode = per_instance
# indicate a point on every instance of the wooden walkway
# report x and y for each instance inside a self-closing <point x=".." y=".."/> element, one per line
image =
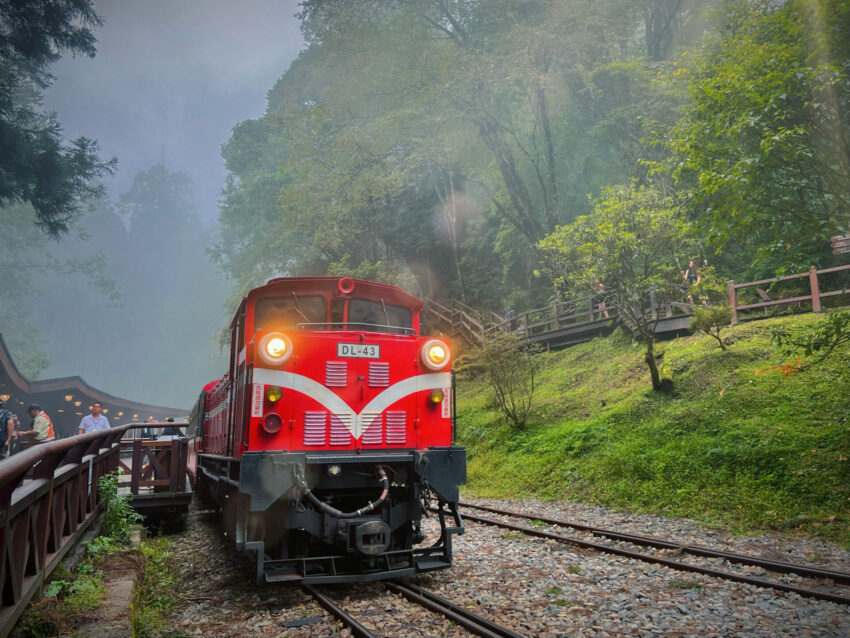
<point x="568" y="322"/>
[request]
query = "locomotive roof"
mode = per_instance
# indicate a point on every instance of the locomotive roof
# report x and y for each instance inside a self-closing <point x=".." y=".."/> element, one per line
<point x="330" y="285"/>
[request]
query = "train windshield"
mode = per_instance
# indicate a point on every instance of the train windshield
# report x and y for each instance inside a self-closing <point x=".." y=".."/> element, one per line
<point x="377" y="314"/>
<point x="285" y="313"/>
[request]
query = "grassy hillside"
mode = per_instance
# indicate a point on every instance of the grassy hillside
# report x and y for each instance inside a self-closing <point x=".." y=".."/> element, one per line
<point x="735" y="443"/>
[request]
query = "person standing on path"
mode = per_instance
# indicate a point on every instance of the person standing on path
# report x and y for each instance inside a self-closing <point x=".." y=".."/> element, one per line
<point x="94" y="421"/>
<point x="599" y="298"/>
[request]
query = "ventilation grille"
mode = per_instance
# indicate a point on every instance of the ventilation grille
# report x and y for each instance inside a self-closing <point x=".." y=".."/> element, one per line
<point x="372" y="425"/>
<point x="315" y="428"/>
<point x="336" y="374"/>
<point x="396" y="432"/>
<point x="377" y="428"/>
<point x="340" y="433"/>
<point x="379" y="374"/>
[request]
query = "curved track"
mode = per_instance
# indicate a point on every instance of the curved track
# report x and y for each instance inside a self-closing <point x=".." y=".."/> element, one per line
<point x="832" y="577"/>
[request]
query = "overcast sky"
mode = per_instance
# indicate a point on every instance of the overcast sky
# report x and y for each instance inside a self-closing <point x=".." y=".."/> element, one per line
<point x="172" y="78"/>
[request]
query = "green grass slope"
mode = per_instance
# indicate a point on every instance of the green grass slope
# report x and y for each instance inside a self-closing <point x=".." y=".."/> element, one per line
<point x="735" y="444"/>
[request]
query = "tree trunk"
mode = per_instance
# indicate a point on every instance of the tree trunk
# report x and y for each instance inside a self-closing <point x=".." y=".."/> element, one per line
<point x="653" y="367"/>
<point x="550" y="190"/>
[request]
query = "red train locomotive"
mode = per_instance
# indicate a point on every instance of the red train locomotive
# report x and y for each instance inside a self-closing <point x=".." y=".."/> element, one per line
<point x="331" y="432"/>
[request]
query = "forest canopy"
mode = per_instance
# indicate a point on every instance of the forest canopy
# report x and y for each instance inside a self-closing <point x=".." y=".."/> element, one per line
<point x="434" y="143"/>
<point x="38" y="167"/>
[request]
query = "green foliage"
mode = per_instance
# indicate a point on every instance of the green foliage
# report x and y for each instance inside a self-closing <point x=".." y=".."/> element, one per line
<point x="510" y="367"/>
<point x="711" y="320"/>
<point x="38" y="167"/>
<point x="763" y="138"/>
<point x="155" y="590"/>
<point x="636" y="243"/>
<point x="445" y="139"/>
<point x="84" y="593"/>
<point x="55" y="587"/>
<point x="816" y="344"/>
<point x="69" y="598"/>
<point x="118" y="519"/>
<point x="732" y="447"/>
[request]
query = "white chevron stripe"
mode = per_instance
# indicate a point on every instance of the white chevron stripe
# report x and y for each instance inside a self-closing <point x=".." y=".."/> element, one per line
<point x="332" y="403"/>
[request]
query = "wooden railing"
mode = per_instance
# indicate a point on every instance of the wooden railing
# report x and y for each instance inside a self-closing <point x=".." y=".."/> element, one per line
<point x="42" y="518"/>
<point x="555" y="316"/>
<point x="155" y="471"/>
<point x="462" y="320"/>
<point x="475" y="326"/>
<point x="766" y="289"/>
<point x="49" y="500"/>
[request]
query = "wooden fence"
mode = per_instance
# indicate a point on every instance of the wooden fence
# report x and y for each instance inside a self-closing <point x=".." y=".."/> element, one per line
<point x="574" y="320"/>
<point x="49" y="499"/>
<point x="766" y="289"/>
<point x="44" y="517"/>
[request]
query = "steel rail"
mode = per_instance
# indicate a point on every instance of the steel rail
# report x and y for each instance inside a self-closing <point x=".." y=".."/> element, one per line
<point x="473" y="622"/>
<point x="751" y="580"/>
<point x="357" y="630"/>
<point x="696" y="550"/>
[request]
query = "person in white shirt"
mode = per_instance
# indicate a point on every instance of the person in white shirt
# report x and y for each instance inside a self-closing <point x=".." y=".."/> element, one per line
<point x="94" y="421"/>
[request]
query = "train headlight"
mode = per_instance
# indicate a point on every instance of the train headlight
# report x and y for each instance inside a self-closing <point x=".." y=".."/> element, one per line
<point x="435" y="354"/>
<point x="437" y="395"/>
<point x="273" y="393"/>
<point x="275" y="348"/>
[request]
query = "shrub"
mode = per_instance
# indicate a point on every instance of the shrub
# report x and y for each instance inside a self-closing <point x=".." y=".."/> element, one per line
<point x="510" y="366"/>
<point x="710" y="320"/>
<point x="119" y="517"/>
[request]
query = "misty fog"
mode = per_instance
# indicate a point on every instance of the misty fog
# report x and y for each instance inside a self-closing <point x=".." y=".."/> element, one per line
<point x="141" y="317"/>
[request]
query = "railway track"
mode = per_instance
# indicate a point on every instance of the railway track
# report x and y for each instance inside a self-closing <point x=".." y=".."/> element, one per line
<point x="474" y="623"/>
<point x="823" y="584"/>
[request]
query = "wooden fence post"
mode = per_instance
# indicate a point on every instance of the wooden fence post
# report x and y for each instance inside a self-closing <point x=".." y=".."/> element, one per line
<point x="733" y="302"/>
<point x="136" y="470"/>
<point x="813" y="283"/>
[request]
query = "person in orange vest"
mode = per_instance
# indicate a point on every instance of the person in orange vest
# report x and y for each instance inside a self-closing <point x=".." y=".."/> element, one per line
<point x="42" y="426"/>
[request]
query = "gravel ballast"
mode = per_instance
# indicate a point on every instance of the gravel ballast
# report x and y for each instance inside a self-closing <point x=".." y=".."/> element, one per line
<point x="536" y="587"/>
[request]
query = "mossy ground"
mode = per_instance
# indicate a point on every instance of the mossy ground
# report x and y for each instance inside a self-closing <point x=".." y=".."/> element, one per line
<point x="737" y="443"/>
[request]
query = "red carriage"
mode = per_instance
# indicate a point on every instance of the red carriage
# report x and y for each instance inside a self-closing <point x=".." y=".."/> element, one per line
<point x="330" y="434"/>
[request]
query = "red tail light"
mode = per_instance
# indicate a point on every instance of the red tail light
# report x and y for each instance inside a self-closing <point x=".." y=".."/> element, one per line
<point x="272" y="423"/>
